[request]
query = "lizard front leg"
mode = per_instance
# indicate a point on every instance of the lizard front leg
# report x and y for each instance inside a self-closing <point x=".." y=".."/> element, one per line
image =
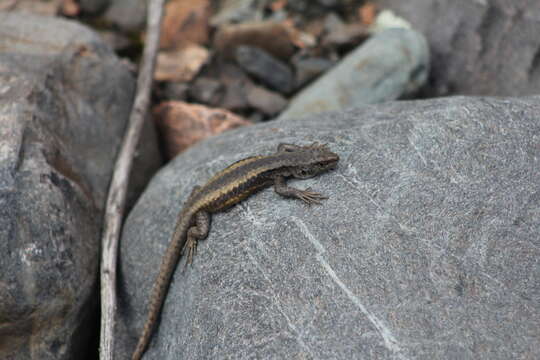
<point x="197" y="232"/>
<point x="308" y="196"/>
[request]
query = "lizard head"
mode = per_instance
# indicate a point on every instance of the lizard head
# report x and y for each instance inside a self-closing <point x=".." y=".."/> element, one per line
<point x="314" y="159"/>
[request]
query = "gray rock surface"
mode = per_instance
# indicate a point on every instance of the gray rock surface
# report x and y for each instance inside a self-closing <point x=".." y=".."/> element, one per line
<point x="393" y="63"/>
<point x="488" y="47"/>
<point x="64" y="102"/>
<point x="427" y="248"/>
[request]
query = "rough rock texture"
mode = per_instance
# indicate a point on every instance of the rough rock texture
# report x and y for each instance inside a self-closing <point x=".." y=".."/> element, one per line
<point x="64" y="102"/>
<point x="427" y="248"/>
<point x="393" y="63"/>
<point x="488" y="47"/>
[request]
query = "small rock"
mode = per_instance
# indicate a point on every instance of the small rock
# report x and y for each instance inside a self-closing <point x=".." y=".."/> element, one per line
<point x="265" y="68"/>
<point x="386" y="19"/>
<point x="306" y="40"/>
<point x="128" y="15"/>
<point x="185" y="22"/>
<point x="328" y="3"/>
<point x="309" y="68"/>
<point x="207" y="91"/>
<point x="180" y="65"/>
<point x="338" y="34"/>
<point x="92" y="7"/>
<point x="235" y="81"/>
<point x="70" y="8"/>
<point x="367" y="13"/>
<point x="268" y="102"/>
<point x="345" y="36"/>
<point x="277" y="39"/>
<point x="231" y="71"/>
<point x="175" y="90"/>
<point x="332" y="22"/>
<point x="315" y="27"/>
<point x="116" y="40"/>
<point x="301" y="6"/>
<point x="278" y="16"/>
<point x="256" y="117"/>
<point x="391" y="64"/>
<point x="182" y="125"/>
<point x="234" y="98"/>
<point x="238" y="11"/>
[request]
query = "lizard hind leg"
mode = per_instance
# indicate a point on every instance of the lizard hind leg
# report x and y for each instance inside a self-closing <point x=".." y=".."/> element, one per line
<point x="199" y="231"/>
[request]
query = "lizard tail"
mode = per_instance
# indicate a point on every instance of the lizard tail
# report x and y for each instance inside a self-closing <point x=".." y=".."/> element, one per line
<point x="162" y="283"/>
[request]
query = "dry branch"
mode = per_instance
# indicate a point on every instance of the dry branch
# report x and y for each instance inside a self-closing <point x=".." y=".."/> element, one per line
<point x="116" y="199"/>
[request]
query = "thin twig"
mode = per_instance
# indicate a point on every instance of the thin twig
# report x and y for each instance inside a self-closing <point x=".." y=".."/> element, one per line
<point x="117" y="191"/>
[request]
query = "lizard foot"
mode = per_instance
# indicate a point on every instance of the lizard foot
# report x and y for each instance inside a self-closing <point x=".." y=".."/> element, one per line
<point x="310" y="197"/>
<point x="191" y="251"/>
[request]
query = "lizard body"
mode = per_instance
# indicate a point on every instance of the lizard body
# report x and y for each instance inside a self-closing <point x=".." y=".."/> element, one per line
<point x="225" y="189"/>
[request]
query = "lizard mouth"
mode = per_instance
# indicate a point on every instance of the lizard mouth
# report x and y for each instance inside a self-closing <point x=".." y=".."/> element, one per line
<point x="332" y="162"/>
<point x="332" y="165"/>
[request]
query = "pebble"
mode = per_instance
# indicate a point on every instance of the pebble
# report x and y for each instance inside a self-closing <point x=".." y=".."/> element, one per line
<point x="308" y="68"/>
<point x="265" y="68"/>
<point x="268" y="102"/>
<point x="207" y="91"/>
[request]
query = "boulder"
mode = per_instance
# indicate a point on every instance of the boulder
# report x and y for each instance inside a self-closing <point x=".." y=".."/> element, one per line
<point x="487" y="47"/>
<point x="427" y="247"/>
<point x="64" y="103"/>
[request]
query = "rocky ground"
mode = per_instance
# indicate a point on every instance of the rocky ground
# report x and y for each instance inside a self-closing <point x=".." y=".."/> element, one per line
<point x="426" y="248"/>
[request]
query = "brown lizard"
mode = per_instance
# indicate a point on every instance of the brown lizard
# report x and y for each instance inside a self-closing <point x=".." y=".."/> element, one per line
<point x="226" y="188"/>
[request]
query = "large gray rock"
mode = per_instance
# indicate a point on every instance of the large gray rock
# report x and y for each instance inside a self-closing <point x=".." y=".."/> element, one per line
<point x="427" y="248"/>
<point x="64" y="103"/>
<point x="393" y="63"/>
<point x="488" y="47"/>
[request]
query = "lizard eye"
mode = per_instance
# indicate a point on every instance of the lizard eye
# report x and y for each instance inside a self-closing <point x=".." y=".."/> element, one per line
<point x="303" y="173"/>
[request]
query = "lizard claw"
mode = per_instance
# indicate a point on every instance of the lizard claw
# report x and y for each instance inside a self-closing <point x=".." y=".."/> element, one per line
<point x="310" y="197"/>
<point x="191" y="251"/>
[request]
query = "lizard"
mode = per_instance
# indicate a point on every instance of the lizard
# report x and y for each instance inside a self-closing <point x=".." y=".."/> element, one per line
<point x="225" y="189"/>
